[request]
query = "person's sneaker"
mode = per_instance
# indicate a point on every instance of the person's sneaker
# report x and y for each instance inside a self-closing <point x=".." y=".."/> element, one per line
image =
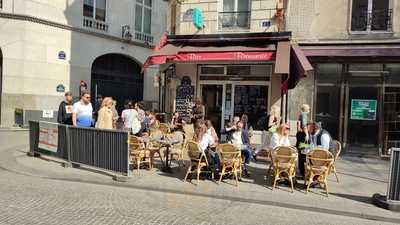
<point x="255" y="157"/>
<point x="246" y="173"/>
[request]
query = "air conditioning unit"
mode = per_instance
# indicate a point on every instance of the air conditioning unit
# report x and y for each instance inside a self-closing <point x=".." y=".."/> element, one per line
<point x="126" y="32"/>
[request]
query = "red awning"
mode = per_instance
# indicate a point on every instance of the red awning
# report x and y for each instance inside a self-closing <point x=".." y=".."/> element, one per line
<point x="196" y="54"/>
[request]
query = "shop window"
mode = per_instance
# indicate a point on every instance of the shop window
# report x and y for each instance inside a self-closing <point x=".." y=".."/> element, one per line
<point x="371" y="15"/>
<point x="329" y="73"/>
<point x="394" y="73"/>
<point x="143" y="11"/>
<point x="95" y="9"/>
<point x="212" y="70"/>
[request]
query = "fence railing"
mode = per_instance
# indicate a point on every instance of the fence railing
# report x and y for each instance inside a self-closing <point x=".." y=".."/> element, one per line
<point x="95" y="24"/>
<point x="103" y="149"/>
<point x="234" y="20"/>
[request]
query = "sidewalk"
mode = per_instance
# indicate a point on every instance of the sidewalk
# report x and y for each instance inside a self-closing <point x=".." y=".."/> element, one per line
<point x="360" y="178"/>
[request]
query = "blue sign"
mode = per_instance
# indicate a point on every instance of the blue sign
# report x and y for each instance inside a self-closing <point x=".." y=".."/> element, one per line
<point x="266" y="23"/>
<point x="198" y="20"/>
<point x="62" y="55"/>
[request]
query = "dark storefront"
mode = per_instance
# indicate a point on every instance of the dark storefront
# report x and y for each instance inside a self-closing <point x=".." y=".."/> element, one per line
<point x="358" y="95"/>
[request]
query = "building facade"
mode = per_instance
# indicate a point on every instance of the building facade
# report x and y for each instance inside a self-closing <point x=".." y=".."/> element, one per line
<point x="354" y="48"/>
<point x="355" y="52"/>
<point x="48" y="47"/>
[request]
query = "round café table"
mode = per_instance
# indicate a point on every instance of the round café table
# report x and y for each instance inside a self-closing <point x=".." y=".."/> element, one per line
<point x="167" y="143"/>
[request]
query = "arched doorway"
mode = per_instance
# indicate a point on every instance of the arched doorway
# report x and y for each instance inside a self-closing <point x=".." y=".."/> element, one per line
<point x="117" y="76"/>
<point x="1" y="80"/>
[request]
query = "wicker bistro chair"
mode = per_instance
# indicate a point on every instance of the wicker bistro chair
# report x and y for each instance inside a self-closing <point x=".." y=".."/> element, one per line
<point x="317" y="166"/>
<point x="198" y="161"/>
<point x="284" y="161"/>
<point x="154" y="147"/>
<point x="336" y="156"/>
<point x="177" y="151"/>
<point x="230" y="160"/>
<point x="138" y="154"/>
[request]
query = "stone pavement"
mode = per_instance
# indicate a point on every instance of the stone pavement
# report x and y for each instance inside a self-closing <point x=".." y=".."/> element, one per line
<point x="39" y="191"/>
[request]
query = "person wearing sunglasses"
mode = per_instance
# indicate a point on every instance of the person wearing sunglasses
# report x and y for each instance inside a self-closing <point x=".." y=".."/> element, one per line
<point x="82" y="112"/>
<point x="281" y="136"/>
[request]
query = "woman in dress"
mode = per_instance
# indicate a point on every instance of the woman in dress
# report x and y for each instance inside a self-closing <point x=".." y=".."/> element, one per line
<point x="302" y="134"/>
<point x="105" y="114"/>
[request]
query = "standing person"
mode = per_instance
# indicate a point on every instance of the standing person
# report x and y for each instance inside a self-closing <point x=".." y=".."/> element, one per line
<point x="280" y="137"/>
<point x="127" y="116"/>
<point x="302" y="134"/>
<point x="247" y="131"/>
<point x="115" y="113"/>
<point x="140" y="110"/>
<point x="82" y="113"/>
<point x="97" y="106"/>
<point x="198" y="111"/>
<point x="245" y="149"/>
<point x="105" y="115"/>
<point x="65" y="110"/>
<point x="274" y="118"/>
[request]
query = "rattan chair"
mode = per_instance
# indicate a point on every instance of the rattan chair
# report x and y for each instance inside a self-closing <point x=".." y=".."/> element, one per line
<point x="230" y="160"/>
<point x="138" y="154"/>
<point x="177" y="151"/>
<point x="154" y="147"/>
<point x="336" y="156"/>
<point x="198" y="161"/>
<point x="283" y="161"/>
<point x="317" y="167"/>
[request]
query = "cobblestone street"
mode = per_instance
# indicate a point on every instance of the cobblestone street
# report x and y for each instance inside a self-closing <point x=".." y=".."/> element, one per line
<point x="34" y="197"/>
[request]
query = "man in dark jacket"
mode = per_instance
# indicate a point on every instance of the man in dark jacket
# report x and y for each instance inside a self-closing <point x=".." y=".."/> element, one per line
<point x="65" y="110"/>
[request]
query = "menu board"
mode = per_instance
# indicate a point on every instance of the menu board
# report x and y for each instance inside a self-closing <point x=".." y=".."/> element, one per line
<point x="363" y="109"/>
<point x="184" y="96"/>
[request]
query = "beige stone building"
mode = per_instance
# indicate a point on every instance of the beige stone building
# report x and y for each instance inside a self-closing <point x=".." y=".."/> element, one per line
<point x="49" y="46"/>
<point x="353" y="45"/>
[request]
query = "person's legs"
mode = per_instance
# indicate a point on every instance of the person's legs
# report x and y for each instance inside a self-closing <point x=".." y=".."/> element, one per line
<point x="246" y="152"/>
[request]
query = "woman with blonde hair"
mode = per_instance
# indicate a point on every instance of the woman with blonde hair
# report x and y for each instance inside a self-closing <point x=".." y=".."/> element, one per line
<point x="274" y="118"/>
<point x="105" y="114"/>
<point x="281" y="136"/>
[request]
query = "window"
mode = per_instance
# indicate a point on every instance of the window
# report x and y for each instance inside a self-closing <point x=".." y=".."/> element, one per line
<point x="95" y="9"/>
<point x="143" y="16"/>
<point x="235" y="14"/>
<point x="371" y="15"/>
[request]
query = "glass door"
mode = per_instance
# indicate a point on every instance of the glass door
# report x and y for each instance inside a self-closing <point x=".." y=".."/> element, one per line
<point x="363" y="117"/>
<point x="212" y="96"/>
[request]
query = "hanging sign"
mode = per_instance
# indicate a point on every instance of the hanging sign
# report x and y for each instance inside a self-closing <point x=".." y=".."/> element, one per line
<point x="60" y="88"/>
<point x="198" y="20"/>
<point x="363" y="109"/>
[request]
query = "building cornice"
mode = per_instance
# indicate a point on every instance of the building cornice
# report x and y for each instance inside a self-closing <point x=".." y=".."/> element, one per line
<point x="33" y="19"/>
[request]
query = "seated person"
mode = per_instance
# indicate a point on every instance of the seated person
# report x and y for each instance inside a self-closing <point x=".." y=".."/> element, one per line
<point x="237" y="140"/>
<point x="206" y="143"/>
<point x="211" y="131"/>
<point x="176" y="122"/>
<point x="230" y="128"/>
<point x="280" y="137"/>
<point x="320" y="138"/>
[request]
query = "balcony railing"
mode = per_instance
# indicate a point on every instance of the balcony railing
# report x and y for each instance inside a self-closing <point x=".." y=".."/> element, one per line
<point x="144" y="37"/>
<point x="375" y="20"/>
<point x="234" y="20"/>
<point x="95" y="24"/>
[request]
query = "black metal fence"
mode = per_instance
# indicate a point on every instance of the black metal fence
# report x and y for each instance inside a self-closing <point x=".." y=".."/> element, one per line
<point x="393" y="193"/>
<point x="104" y="149"/>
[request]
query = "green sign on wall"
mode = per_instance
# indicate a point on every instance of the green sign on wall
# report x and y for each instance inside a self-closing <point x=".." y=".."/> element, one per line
<point x="363" y="109"/>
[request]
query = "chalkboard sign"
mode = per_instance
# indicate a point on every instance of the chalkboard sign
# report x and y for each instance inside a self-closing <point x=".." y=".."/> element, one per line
<point x="184" y="96"/>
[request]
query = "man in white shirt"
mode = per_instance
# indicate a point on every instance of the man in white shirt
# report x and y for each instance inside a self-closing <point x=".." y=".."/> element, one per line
<point x="127" y="116"/>
<point x="82" y="111"/>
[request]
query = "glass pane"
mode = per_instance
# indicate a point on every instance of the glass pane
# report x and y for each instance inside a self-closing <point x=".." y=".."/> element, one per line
<point x="88" y="8"/>
<point x="148" y="2"/>
<point x="359" y="15"/>
<point x="394" y="73"/>
<point x="380" y="15"/>
<point x="101" y="10"/>
<point x="238" y="70"/>
<point x="242" y="19"/>
<point x="139" y="1"/>
<point x="329" y="73"/>
<point x="327" y="109"/>
<point x="147" y="21"/>
<point x="391" y="111"/>
<point x="243" y="5"/>
<point x="138" y="18"/>
<point x="212" y="99"/>
<point x="229" y="6"/>
<point x="251" y="100"/>
<point x="366" y="67"/>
